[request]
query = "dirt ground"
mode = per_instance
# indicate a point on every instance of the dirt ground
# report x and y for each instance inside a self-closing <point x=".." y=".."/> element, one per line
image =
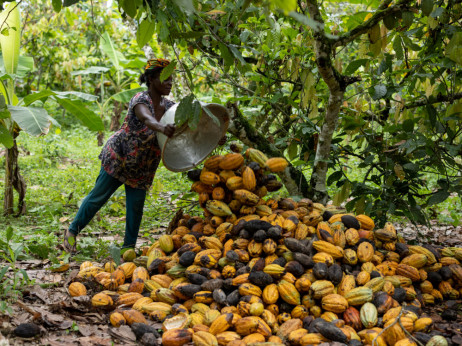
<point x="72" y="321"/>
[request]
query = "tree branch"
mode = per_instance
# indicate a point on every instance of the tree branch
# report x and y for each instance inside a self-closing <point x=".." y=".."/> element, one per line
<point x="440" y="98"/>
<point x="381" y="13"/>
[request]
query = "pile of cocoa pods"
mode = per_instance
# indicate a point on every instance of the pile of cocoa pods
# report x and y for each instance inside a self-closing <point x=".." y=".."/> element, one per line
<point x="267" y="270"/>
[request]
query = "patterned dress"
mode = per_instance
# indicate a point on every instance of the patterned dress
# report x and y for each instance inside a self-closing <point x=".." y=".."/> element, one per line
<point x="132" y="154"/>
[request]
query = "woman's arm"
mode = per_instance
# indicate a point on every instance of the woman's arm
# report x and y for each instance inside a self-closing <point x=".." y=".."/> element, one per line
<point x="143" y="113"/>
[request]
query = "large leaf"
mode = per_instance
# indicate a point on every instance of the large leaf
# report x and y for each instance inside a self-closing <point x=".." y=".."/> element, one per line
<point x="57" y="5"/>
<point x="306" y="20"/>
<point x="184" y="110"/>
<point x="454" y="48"/>
<point x="186" y="6"/>
<point x="59" y="94"/>
<point x="354" y="65"/>
<point x="126" y="95"/>
<point x="378" y="91"/>
<point x="25" y="65"/>
<point x="226" y="55"/>
<point x="167" y="71"/>
<point x="67" y="3"/>
<point x="35" y="121"/>
<point x="10" y="43"/>
<point x="145" y="32"/>
<point x="115" y="254"/>
<point x="37" y="96"/>
<point x="196" y="114"/>
<point x="438" y="197"/>
<point x="5" y="137"/>
<point x="91" y="70"/>
<point x="86" y="116"/>
<point x="108" y="47"/>
<point x="285" y="5"/>
<point x="80" y="95"/>
<point x="129" y="7"/>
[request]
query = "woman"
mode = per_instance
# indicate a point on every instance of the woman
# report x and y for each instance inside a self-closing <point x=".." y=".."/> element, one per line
<point x="130" y="157"/>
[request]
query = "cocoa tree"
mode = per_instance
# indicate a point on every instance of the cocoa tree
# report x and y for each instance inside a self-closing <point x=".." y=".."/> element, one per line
<point x="323" y="83"/>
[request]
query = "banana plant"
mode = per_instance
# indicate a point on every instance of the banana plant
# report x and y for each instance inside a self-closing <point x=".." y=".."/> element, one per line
<point x="18" y="115"/>
<point x="118" y="79"/>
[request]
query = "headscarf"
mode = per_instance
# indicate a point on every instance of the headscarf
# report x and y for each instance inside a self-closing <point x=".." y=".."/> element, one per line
<point x="156" y="63"/>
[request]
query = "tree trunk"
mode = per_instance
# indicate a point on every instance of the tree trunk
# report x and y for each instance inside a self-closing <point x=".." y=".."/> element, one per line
<point x="115" y="118"/>
<point x="293" y="179"/>
<point x="13" y="180"/>
<point x="100" y="138"/>
<point x="323" y="49"/>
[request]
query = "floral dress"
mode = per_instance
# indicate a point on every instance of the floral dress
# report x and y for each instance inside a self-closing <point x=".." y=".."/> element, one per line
<point x="132" y="154"/>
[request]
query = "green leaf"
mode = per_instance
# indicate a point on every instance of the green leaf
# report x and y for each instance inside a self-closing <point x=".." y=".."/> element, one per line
<point x="285" y="5"/>
<point x="79" y="110"/>
<point x="167" y="71"/>
<point x="438" y="197"/>
<point x="427" y="7"/>
<point x="292" y="150"/>
<point x="29" y="99"/>
<point x="126" y="95"/>
<point x="354" y="65"/>
<point x="40" y="250"/>
<point x="343" y="194"/>
<point x="91" y="70"/>
<point x="237" y="54"/>
<point x="454" y="48"/>
<point x="407" y="41"/>
<point x="68" y="3"/>
<point x="115" y="254"/>
<point x="83" y="96"/>
<point x="408" y="18"/>
<point x="25" y="65"/>
<point x="432" y="115"/>
<point x="4" y="271"/>
<point x="145" y="32"/>
<point x="5" y="113"/>
<point x="408" y="125"/>
<point x="10" y="44"/>
<point x="9" y="233"/>
<point x="212" y="116"/>
<point x="57" y="5"/>
<point x="306" y="20"/>
<point x="196" y="115"/>
<point x="398" y="48"/>
<point x="390" y="21"/>
<point x="379" y="91"/>
<point x="129" y="7"/>
<point x="334" y="177"/>
<point x="186" y="6"/>
<point x="226" y="55"/>
<point x="184" y="110"/>
<point x="108" y="47"/>
<point x="35" y="121"/>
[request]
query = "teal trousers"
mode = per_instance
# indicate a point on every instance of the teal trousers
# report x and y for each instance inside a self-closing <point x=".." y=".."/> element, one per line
<point x="104" y="188"/>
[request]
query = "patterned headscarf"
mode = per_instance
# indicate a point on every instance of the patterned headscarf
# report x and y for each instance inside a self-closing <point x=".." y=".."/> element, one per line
<point x="156" y="63"/>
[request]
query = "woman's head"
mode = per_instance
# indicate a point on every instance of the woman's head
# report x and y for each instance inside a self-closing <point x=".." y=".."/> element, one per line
<point x="151" y="75"/>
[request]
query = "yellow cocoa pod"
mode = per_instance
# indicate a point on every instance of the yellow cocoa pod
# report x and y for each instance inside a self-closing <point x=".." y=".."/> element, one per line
<point x="77" y="289"/>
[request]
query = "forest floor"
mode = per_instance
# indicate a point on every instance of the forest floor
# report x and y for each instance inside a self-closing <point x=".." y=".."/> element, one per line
<point x="73" y="321"/>
<point x="52" y="203"/>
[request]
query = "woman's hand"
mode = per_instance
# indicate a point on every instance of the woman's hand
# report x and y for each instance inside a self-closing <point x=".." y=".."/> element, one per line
<point x="169" y="130"/>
